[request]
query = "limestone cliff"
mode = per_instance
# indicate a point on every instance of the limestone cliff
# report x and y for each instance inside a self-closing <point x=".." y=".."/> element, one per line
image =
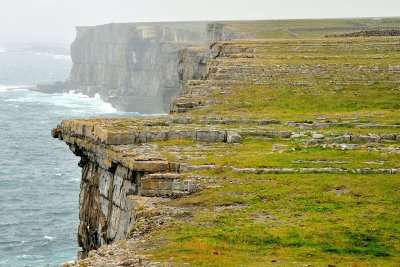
<point x="135" y="66"/>
<point x="116" y="166"/>
<point x="132" y="66"/>
<point x="226" y="141"/>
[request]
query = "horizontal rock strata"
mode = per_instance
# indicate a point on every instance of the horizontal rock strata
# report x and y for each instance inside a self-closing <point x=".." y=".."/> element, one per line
<point x="216" y="137"/>
<point x="368" y="33"/>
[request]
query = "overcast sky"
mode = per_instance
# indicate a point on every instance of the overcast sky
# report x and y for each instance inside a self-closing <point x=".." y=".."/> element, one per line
<point x="45" y="21"/>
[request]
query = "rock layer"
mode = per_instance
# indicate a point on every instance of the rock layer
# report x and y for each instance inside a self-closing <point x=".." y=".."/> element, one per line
<point x="111" y="173"/>
<point x="132" y="66"/>
<point x="127" y="161"/>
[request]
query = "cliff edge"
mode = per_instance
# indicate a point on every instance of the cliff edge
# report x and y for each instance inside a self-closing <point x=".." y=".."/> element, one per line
<point x="276" y="152"/>
<point x="134" y="66"/>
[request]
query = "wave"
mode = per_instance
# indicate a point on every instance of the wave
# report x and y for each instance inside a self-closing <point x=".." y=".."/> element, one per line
<point x="76" y="103"/>
<point x="49" y="237"/>
<point x="4" y="88"/>
<point x="54" y="56"/>
<point x="65" y="57"/>
<point x="2" y="50"/>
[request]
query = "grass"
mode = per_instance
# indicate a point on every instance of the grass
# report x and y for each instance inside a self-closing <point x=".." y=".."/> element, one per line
<point x="303" y="79"/>
<point x="308" y="28"/>
<point x="289" y="219"/>
<point x="298" y="103"/>
<point x="245" y="219"/>
<point x="256" y="153"/>
<point x="294" y="219"/>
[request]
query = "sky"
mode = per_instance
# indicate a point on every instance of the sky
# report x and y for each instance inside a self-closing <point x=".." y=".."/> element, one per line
<point x="54" y="21"/>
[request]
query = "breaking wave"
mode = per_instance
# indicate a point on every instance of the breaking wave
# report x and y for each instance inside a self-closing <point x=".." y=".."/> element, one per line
<point x="4" y="88"/>
<point x="77" y="103"/>
<point x="54" y="56"/>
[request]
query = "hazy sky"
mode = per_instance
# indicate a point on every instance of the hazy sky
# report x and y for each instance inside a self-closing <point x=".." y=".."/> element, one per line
<point x="54" y="20"/>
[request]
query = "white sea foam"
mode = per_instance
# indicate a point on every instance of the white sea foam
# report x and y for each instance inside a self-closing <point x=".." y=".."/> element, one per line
<point x="77" y="103"/>
<point x="64" y="57"/>
<point x="55" y="56"/>
<point x="12" y="87"/>
<point x="107" y="107"/>
<point x="2" y="50"/>
<point x="49" y="237"/>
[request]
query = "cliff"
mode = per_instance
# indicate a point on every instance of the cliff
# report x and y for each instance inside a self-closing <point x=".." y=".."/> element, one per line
<point x="118" y="163"/>
<point x="134" y="67"/>
<point x="275" y="152"/>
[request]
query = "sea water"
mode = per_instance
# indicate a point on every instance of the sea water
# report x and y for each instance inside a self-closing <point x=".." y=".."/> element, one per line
<point x="39" y="176"/>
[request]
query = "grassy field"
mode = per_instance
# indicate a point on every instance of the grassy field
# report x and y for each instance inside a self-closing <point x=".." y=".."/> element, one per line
<point x="337" y="219"/>
<point x="309" y="28"/>
<point x="299" y="80"/>
<point x="350" y="86"/>
<point x="289" y="220"/>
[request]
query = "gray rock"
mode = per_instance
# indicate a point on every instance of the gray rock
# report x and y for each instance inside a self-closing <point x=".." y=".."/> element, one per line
<point x="388" y="136"/>
<point x="297" y="135"/>
<point x="272" y="121"/>
<point x="341" y="139"/>
<point x="318" y="136"/>
<point x="348" y="146"/>
<point x="367" y="138"/>
<point x="233" y="137"/>
<point x="284" y="134"/>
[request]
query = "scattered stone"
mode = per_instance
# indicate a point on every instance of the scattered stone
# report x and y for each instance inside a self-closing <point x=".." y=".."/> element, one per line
<point x="284" y="134"/>
<point x="368" y="125"/>
<point x="272" y="121"/>
<point x="318" y="136"/>
<point x="388" y="136"/>
<point x="233" y="137"/>
<point x="297" y="135"/>
<point x="394" y="68"/>
<point x="320" y="161"/>
<point x="130" y="262"/>
<point x="374" y="162"/>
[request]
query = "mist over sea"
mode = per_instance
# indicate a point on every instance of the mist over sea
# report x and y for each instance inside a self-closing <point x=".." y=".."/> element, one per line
<point x="39" y="176"/>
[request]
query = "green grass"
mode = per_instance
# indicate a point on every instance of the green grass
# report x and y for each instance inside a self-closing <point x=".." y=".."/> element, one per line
<point x="299" y="103"/>
<point x="308" y="28"/>
<point x="241" y="219"/>
<point x="256" y="153"/>
<point x="289" y="218"/>
<point x="295" y="219"/>
<point x="308" y="78"/>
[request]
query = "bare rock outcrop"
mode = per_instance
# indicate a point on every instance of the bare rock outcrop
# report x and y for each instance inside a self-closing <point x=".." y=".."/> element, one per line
<point x="368" y="33"/>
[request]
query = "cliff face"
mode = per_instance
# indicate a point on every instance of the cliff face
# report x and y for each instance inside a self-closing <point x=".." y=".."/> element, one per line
<point x="136" y="67"/>
<point x="132" y="66"/>
<point x="237" y="146"/>
<point x="105" y="212"/>
<point x="116" y="167"/>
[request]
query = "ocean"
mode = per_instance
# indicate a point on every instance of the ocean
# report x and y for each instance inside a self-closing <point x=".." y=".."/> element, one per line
<point x="39" y="176"/>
